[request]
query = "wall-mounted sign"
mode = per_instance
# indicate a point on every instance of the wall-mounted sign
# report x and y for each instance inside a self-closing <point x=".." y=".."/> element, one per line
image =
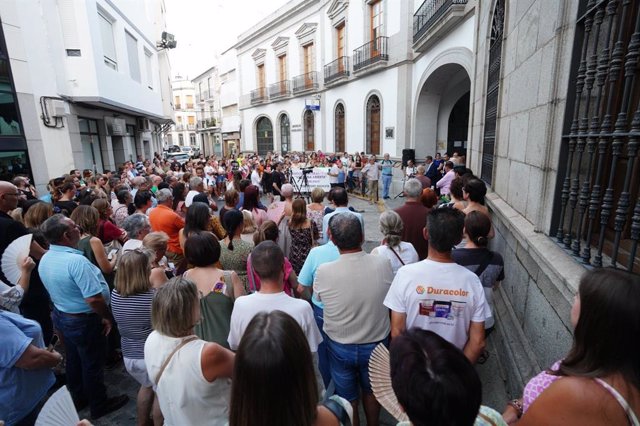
<point x="312" y="104"/>
<point x="296" y="127"/>
<point x="389" y="132"/>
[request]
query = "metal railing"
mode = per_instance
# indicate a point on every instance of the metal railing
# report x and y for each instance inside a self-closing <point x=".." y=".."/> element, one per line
<point x="336" y="69"/>
<point x="429" y="13"/>
<point x="191" y="127"/>
<point x="258" y="95"/>
<point x="370" y="53"/>
<point x="177" y="106"/>
<point x="280" y="89"/>
<point x="303" y="82"/>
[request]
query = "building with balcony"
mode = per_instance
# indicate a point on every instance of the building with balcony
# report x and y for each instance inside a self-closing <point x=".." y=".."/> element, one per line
<point x="84" y="85"/>
<point x="207" y="88"/>
<point x="184" y="130"/>
<point x="341" y="75"/>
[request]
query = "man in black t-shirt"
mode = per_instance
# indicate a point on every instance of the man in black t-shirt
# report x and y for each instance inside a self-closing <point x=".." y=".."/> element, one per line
<point x="278" y="179"/>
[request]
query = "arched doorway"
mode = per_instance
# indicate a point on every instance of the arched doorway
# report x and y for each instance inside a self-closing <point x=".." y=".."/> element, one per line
<point x="285" y="133"/>
<point x="264" y="135"/>
<point x="373" y="125"/>
<point x="443" y="107"/>
<point x="339" y="128"/>
<point x="309" y="131"/>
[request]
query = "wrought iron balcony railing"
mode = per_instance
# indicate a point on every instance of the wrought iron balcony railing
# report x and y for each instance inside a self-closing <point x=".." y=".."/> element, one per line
<point x="280" y="89"/>
<point x="429" y="13"/>
<point x="304" y="82"/>
<point x="337" y="69"/>
<point x="258" y="95"/>
<point x="370" y="53"/>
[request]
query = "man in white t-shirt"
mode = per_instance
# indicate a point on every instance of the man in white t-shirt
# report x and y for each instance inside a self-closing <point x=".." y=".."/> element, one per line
<point x="196" y="185"/>
<point x="267" y="261"/>
<point x="437" y="294"/>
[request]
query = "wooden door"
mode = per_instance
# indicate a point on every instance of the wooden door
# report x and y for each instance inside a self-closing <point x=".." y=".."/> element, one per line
<point x="376" y="26"/>
<point x="373" y="125"/>
<point x="261" y="79"/>
<point x="309" y="131"/>
<point x="308" y="64"/>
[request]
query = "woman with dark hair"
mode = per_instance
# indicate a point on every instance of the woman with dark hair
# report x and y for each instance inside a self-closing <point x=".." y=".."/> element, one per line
<point x="198" y="219"/>
<point x="142" y="201"/>
<point x="274" y="382"/>
<point x="190" y="375"/>
<point x="473" y="192"/>
<point x="179" y="194"/>
<point x="435" y="383"/>
<point x="251" y="201"/>
<point x="65" y="204"/>
<point x="218" y="289"/>
<point x="486" y="264"/>
<point x="598" y="382"/>
<point x="120" y="208"/>
<point x="303" y="232"/>
<point x="107" y="230"/>
<point x="235" y="250"/>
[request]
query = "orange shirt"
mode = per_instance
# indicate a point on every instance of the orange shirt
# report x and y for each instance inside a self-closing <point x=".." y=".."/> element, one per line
<point x="164" y="219"/>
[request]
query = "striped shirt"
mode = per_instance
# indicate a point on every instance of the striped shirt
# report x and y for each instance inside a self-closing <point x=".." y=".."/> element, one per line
<point x="133" y="316"/>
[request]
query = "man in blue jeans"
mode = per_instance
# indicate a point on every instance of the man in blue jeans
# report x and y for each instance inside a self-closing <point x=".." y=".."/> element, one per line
<point x="387" y="176"/>
<point x="81" y="314"/>
<point x="352" y="290"/>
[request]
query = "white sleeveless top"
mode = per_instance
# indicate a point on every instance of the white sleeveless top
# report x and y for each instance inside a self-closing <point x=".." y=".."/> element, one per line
<point x="185" y="396"/>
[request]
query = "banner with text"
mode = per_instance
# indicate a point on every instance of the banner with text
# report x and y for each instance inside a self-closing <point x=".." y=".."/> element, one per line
<point x="318" y="178"/>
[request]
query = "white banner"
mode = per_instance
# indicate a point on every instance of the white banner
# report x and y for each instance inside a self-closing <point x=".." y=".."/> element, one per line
<point x="318" y="178"/>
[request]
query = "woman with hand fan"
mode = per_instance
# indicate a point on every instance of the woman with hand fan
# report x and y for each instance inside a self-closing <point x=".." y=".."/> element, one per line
<point x="11" y="297"/>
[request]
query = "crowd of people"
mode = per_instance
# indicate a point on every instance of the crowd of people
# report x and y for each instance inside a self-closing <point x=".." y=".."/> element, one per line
<point x="266" y="309"/>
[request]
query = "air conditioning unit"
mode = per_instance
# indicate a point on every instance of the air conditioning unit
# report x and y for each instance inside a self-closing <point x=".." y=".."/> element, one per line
<point x="144" y="125"/>
<point x="59" y="108"/>
<point x="115" y="126"/>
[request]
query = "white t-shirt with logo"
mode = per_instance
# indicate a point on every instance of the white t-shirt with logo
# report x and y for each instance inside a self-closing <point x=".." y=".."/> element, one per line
<point x="246" y="307"/>
<point x="334" y="171"/>
<point x="440" y="297"/>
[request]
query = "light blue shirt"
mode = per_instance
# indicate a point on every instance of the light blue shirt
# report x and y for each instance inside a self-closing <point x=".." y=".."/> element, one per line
<point x="20" y="389"/>
<point x="70" y="278"/>
<point x="317" y="256"/>
<point x="325" y="221"/>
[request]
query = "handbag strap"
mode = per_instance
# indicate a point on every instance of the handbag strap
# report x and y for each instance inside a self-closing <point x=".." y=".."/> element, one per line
<point x="252" y="280"/>
<point x="398" y="256"/>
<point x="487" y="419"/>
<point x="166" y="361"/>
<point x="337" y="410"/>
<point x="484" y="264"/>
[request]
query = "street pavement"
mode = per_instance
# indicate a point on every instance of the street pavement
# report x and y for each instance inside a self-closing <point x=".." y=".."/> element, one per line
<point x="494" y="393"/>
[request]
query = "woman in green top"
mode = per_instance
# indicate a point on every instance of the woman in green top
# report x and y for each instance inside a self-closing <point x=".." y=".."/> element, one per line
<point x="235" y="250"/>
<point x="218" y="289"/>
<point x="87" y="218"/>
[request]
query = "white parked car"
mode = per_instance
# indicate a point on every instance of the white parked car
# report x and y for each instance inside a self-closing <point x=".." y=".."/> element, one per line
<point x="180" y="157"/>
<point x="187" y="150"/>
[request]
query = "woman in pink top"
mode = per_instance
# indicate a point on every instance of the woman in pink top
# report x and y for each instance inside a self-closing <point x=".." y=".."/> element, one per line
<point x="598" y="382"/>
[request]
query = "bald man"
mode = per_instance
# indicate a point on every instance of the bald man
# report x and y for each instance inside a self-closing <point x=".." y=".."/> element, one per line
<point x="35" y="304"/>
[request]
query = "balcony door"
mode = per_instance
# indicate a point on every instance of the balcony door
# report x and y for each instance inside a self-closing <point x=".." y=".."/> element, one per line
<point x="261" y="80"/>
<point x="282" y="71"/>
<point x="340" y="33"/>
<point x="376" y="25"/>
<point x="307" y="55"/>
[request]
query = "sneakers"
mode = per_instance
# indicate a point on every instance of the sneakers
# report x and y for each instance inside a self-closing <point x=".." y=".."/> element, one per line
<point x="111" y="405"/>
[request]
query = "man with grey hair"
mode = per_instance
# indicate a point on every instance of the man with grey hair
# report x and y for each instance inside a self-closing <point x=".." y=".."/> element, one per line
<point x="81" y="314"/>
<point x="164" y="219"/>
<point x="414" y="217"/>
<point x="355" y="320"/>
<point x="196" y="186"/>
<point x="136" y="184"/>
<point x="137" y="226"/>
<point x="420" y="175"/>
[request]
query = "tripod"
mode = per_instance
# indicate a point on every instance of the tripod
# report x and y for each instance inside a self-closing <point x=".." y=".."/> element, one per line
<point x="298" y="185"/>
<point x="401" y="193"/>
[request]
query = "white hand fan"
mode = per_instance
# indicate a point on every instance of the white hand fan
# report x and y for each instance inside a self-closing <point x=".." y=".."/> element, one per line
<point x="58" y="410"/>
<point x="13" y="257"/>
<point x="380" y="377"/>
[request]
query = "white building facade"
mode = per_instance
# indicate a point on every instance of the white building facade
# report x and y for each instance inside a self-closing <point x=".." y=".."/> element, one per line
<point x="85" y="85"/>
<point x="342" y="76"/>
<point x="207" y="90"/>
<point x="229" y="95"/>
<point x="183" y="132"/>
